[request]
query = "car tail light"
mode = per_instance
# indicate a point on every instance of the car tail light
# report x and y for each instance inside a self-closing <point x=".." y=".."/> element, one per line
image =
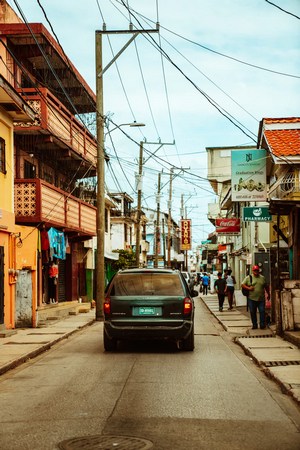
<point x="106" y="305"/>
<point x="187" y="306"/>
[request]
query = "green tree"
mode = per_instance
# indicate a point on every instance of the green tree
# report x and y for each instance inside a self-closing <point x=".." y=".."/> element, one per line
<point x="125" y="261"/>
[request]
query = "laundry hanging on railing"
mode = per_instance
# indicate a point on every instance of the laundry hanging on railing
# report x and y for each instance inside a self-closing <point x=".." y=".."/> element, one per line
<point x="57" y="244"/>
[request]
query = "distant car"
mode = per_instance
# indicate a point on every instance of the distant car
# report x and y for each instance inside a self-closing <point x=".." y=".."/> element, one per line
<point x="148" y="304"/>
<point x="189" y="279"/>
<point x="198" y="277"/>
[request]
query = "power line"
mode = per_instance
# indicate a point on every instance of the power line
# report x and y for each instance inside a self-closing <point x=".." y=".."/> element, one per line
<point x="215" y="51"/>
<point x="284" y="10"/>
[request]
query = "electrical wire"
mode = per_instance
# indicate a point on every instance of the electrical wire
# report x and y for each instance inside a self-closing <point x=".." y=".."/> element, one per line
<point x="116" y="64"/>
<point x="215" y="51"/>
<point x="281" y="9"/>
<point x="161" y="53"/>
<point x="145" y="89"/>
<point x="221" y="110"/>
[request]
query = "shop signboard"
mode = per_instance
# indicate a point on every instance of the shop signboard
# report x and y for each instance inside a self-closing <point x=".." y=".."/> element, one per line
<point x="186" y="240"/>
<point x="256" y="214"/>
<point x="227" y="227"/>
<point x="248" y="175"/>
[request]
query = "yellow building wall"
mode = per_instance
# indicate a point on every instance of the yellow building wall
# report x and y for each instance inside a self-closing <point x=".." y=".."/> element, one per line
<point x="7" y="179"/>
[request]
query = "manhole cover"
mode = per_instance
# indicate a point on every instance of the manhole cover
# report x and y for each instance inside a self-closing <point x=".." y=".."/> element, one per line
<point x="105" y="443"/>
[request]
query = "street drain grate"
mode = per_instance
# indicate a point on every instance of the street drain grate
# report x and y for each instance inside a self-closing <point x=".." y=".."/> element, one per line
<point x="281" y="363"/>
<point x="266" y="336"/>
<point x="105" y="443"/>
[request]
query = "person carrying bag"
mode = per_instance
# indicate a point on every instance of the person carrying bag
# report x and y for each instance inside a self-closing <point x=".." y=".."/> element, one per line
<point x="256" y="298"/>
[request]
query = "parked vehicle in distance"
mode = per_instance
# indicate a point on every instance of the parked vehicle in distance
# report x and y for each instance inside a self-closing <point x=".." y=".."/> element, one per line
<point x="198" y="278"/>
<point x="189" y="279"/>
<point x="148" y="304"/>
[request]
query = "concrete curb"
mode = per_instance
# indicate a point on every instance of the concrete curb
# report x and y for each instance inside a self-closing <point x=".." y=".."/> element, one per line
<point x="41" y="348"/>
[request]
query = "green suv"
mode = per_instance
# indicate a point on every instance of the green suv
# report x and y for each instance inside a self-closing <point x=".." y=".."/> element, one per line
<point x="149" y="304"/>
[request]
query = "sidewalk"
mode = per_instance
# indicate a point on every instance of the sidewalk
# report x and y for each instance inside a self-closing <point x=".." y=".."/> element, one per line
<point x="278" y="357"/>
<point x="29" y="342"/>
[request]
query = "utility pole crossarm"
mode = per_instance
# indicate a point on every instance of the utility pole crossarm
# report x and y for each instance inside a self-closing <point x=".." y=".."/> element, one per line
<point x="160" y="146"/>
<point x="150" y="30"/>
<point x="118" y="54"/>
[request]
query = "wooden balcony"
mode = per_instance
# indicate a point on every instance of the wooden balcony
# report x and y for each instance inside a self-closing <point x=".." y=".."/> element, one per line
<point x="57" y="127"/>
<point x="37" y="201"/>
<point x="287" y="188"/>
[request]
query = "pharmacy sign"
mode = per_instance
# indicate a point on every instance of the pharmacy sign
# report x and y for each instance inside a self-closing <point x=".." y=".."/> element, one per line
<point x="256" y="214"/>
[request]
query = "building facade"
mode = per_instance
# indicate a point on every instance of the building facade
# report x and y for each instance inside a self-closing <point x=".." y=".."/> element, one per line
<point x="257" y="220"/>
<point x="51" y="153"/>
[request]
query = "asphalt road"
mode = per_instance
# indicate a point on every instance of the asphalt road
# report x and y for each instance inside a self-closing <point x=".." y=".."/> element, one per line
<point x="76" y="395"/>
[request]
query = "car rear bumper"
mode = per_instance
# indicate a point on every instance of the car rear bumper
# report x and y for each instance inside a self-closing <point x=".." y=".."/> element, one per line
<point x="130" y="330"/>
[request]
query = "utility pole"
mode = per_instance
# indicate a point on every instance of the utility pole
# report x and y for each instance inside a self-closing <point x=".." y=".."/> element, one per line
<point x="157" y="229"/>
<point x="184" y="251"/>
<point x="139" y="206"/>
<point x="100" y="215"/>
<point x="100" y="219"/>
<point x="169" y="218"/>
<point x="139" y="189"/>
<point x="164" y="240"/>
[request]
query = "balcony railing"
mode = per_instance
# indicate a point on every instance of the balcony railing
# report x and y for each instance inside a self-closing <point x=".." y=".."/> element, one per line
<point x="56" y="120"/>
<point x="37" y="201"/>
<point x="287" y="188"/>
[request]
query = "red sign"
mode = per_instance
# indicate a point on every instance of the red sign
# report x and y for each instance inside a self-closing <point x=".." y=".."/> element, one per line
<point x="186" y="240"/>
<point x="228" y="226"/>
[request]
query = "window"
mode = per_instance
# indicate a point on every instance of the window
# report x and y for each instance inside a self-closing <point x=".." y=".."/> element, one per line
<point x="147" y="284"/>
<point x="29" y="170"/>
<point x="2" y="156"/>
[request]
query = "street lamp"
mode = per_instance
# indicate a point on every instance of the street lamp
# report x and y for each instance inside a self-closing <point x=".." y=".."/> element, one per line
<point x="131" y="124"/>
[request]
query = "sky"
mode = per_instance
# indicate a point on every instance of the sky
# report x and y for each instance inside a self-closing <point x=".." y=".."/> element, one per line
<point x="214" y="70"/>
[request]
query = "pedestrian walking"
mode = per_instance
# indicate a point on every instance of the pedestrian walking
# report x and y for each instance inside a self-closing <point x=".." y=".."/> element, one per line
<point x="256" y="299"/>
<point x="220" y="287"/>
<point x="205" y="283"/>
<point x="53" y="278"/>
<point x="230" y="282"/>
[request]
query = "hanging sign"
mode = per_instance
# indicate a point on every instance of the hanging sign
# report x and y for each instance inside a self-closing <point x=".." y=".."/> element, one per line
<point x="248" y="175"/>
<point x="186" y="240"/>
<point x="228" y="226"/>
<point x="256" y="214"/>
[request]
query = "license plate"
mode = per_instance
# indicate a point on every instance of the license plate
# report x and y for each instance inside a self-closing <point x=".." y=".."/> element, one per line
<point x="147" y="311"/>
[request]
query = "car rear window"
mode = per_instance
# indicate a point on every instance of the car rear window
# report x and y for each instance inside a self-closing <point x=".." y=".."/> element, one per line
<point x="147" y="284"/>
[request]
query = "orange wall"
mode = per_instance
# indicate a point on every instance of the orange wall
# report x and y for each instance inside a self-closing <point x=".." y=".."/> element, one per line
<point x="9" y="288"/>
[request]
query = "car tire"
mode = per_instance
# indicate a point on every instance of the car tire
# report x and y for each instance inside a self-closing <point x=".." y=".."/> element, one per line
<point x="110" y="345"/>
<point x="188" y="344"/>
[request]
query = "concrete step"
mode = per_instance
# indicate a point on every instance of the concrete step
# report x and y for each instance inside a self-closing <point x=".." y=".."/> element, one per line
<point x="59" y="311"/>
